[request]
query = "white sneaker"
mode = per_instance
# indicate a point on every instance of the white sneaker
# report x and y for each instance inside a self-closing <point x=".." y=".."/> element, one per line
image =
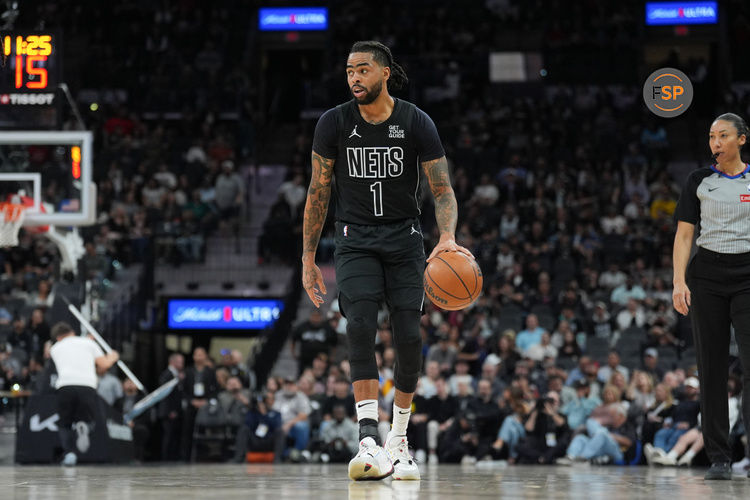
<point x="404" y="467"/>
<point x="742" y="466"/>
<point x="70" y="459"/>
<point x="371" y="462"/>
<point x="685" y="461"/>
<point x="664" y="460"/>
<point x="82" y="442"/>
<point x="651" y="452"/>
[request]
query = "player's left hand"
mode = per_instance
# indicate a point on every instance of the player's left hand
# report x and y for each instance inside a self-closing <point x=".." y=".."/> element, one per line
<point x="448" y="245"/>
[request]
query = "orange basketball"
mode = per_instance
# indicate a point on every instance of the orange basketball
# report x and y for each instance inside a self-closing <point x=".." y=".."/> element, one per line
<point x="452" y="280"/>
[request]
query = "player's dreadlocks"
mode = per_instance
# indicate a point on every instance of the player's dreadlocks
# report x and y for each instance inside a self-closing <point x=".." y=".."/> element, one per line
<point x="383" y="56"/>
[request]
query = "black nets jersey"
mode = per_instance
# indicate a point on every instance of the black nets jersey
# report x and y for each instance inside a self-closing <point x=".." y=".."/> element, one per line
<point x="377" y="167"/>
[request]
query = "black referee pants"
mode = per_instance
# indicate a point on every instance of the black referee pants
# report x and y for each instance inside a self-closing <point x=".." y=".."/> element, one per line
<point x="75" y="404"/>
<point x="720" y="295"/>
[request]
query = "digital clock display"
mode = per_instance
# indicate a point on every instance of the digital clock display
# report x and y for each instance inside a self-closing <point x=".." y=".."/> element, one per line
<point x="30" y="69"/>
<point x="29" y="66"/>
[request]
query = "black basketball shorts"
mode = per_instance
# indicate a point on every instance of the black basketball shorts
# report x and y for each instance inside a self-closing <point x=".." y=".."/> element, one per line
<point x="381" y="262"/>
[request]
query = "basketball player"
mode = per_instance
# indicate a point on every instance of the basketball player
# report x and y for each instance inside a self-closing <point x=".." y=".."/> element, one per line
<point x="370" y="149"/>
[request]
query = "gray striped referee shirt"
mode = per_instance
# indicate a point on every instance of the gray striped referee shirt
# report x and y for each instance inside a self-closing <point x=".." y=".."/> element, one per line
<point x="719" y="205"/>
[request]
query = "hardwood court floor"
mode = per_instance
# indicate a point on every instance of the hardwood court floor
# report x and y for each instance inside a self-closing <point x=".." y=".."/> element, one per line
<point x="323" y="482"/>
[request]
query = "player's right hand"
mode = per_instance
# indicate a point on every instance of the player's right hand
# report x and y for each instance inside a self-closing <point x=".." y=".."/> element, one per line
<point x="312" y="282"/>
<point x="681" y="298"/>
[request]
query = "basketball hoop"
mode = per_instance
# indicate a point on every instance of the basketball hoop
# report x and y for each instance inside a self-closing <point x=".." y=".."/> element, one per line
<point x="11" y="221"/>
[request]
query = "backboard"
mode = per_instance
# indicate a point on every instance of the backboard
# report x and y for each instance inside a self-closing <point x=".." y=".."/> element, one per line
<point x="53" y="170"/>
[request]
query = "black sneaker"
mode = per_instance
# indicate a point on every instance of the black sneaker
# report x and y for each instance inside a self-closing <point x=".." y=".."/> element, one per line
<point x="719" y="471"/>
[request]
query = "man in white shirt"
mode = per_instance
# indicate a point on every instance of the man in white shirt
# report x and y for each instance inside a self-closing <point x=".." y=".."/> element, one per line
<point x="613" y="365"/>
<point x="78" y="360"/>
<point x="632" y="315"/>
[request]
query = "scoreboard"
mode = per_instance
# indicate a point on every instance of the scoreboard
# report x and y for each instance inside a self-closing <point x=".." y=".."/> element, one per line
<point x="30" y="66"/>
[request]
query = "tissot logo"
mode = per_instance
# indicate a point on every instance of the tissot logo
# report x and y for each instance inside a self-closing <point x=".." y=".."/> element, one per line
<point x="27" y="99"/>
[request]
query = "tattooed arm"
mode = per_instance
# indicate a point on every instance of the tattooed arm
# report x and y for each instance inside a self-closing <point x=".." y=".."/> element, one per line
<point x="316" y="209"/>
<point x="446" y="209"/>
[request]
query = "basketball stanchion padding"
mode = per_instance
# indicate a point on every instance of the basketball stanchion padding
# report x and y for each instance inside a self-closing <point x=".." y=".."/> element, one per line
<point x="151" y="400"/>
<point x="10" y="223"/>
<point x="102" y="343"/>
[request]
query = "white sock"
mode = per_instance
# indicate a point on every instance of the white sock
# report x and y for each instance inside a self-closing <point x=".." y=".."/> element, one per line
<point x="672" y="455"/>
<point x="400" y="420"/>
<point x="689" y="455"/>
<point x="367" y="408"/>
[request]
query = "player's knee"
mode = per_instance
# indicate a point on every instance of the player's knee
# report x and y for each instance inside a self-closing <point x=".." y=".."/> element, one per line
<point x="406" y="327"/>
<point x="360" y="328"/>
<point x="404" y="380"/>
<point x="408" y="343"/>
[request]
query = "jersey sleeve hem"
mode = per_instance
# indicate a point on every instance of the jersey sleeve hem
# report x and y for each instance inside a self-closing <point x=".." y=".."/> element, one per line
<point x="326" y="135"/>
<point x="431" y="157"/>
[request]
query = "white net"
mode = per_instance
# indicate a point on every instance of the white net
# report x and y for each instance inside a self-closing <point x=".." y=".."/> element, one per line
<point x="11" y="220"/>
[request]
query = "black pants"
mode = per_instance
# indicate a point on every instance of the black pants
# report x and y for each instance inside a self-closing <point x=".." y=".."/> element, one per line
<point x="533" y="449"/>
<point x="188" y="426"/>
<point x="75" y="404"/>
<point x="417" y="435"/>
<point x="720" y="295"/>
<point x="171" y="438"/>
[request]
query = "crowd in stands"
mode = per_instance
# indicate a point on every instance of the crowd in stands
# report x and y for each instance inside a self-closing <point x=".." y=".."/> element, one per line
<point x="572" y="353"/>
<point x="164" y="182"/>
<point x="483" y="398"/>
<point x="160" y="195"/>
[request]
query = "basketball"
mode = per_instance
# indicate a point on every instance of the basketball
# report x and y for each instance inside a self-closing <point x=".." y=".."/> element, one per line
<point x="452" y="280"/>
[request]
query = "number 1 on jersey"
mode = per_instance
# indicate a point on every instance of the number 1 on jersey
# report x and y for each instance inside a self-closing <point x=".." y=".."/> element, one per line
<point x="377" y="197"/>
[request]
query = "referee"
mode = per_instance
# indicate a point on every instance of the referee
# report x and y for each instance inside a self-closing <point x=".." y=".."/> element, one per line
<point x="78" y="360"/>
<point x="716" y="200"/>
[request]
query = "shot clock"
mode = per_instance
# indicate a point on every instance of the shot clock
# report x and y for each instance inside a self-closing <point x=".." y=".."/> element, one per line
<point x="29" y="76"/>
<point x="31" y="52"/>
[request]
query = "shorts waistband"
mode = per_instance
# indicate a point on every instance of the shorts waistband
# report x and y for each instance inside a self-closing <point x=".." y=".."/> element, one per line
<point x="395" y="223"/>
